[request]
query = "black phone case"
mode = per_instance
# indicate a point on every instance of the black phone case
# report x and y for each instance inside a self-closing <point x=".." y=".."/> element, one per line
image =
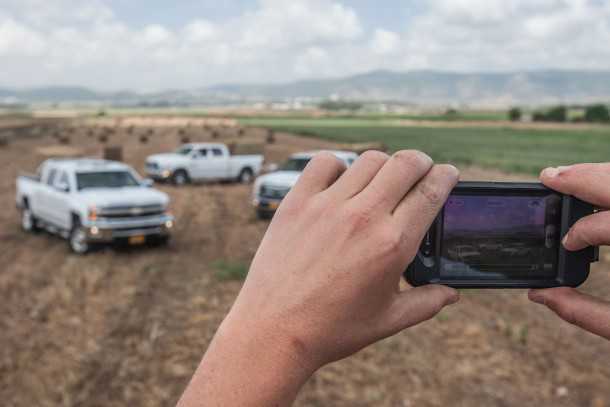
<point x="572" y="267"/>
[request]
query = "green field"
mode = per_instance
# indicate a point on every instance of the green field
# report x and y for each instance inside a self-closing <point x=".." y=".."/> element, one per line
<point x="516" y="150"/>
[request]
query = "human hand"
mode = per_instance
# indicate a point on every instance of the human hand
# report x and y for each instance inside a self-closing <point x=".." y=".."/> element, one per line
<point x="325" y="279"/>
<point x="590" y="183"/>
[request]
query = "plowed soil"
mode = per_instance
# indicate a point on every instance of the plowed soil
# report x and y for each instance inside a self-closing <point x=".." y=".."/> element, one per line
<point x="127" y="326"/>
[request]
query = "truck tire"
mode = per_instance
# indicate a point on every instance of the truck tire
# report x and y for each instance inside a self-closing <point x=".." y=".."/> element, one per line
<point x="78" y="238"/>
<point x="29" y="223"/>
<point x="246" y="176"/>
<point x="180" y="177"/>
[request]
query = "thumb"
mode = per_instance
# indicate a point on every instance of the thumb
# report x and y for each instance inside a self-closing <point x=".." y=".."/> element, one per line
<point x="579" y="309"/>
<point x="419" y="304"/>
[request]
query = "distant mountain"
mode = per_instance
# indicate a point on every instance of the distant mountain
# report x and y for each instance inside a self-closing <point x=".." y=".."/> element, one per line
<point x="418" y="87"/>
<point x="434" y="87"/>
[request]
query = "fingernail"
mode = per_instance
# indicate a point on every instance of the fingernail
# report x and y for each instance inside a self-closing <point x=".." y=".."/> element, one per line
<point x="536" y="296"/>
<point x="550" y="172"/>
<point x="565" y="239"/>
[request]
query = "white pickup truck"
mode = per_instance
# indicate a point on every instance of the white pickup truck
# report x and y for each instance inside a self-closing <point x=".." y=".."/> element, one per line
<point x="203" y="162"/>
<point x="270" y="189"/>
<point x="92" y="201"/>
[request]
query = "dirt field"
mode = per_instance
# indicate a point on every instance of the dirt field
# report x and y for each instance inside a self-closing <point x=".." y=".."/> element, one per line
<point x="128" y="326"/>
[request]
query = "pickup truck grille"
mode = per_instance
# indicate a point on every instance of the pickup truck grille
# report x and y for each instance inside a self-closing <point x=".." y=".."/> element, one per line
<point x="131" y="211"/>
<point x="272" y="192"/>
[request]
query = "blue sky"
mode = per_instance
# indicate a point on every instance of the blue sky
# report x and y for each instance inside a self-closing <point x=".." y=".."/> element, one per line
<point x="392" y="14"/>
<point x="189" y="44"/>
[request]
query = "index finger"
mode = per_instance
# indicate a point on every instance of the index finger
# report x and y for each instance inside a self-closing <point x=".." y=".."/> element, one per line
<point x="588" y="182"/>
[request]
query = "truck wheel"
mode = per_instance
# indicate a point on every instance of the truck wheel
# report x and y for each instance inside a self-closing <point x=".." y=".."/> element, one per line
<point x="264" y="215"/>
<point x="245" y="176"/>
<point x="78" y="239"/>
<point x="29" y="223"/>
<point x="180" y="177"/>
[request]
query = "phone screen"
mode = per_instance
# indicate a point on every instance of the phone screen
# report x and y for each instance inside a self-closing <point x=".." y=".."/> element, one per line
<point x="500" y="237"/>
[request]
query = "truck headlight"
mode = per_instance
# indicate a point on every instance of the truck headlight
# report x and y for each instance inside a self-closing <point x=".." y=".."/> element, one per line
<point x="92" y="213"/>
<point x="166" y="173"/>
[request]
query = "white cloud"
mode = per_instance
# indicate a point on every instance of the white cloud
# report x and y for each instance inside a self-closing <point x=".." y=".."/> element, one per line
<point x="83" y="42"/>
<point x="384" y="41"/>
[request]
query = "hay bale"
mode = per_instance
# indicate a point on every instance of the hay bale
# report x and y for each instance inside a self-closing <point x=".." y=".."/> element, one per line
<point x="113" y="153"/>
<point x="241" y="132"/>
<point x="270" y="137"/>
<point x="215" y="135"/>
<point x="64" y="140"/>
<point x="185" y="139"/>
<point x="143" y="139"/>
<point x="103" y="138"/>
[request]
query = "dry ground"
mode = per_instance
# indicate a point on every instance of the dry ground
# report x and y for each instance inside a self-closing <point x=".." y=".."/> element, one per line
<point x="128" y="326"/>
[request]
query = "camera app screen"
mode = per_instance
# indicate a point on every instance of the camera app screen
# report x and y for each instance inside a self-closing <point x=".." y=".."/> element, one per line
<point x="499" y="237"/>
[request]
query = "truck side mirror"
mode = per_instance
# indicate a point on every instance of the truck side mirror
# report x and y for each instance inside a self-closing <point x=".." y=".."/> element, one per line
<point x="62" y="186"/>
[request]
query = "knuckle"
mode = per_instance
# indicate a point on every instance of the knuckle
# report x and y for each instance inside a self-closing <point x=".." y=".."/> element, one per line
<point x="391" y="240"/>
<point x="357" y="218"/>
<point x="433" y="193"/>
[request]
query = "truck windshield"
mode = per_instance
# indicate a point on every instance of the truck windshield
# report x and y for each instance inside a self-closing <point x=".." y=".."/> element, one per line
<point x="185" y="150"/>
<point x="295" y="164"/>
<point x="106" y="179"/>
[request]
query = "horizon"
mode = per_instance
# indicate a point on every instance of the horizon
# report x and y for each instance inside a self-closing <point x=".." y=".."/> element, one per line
<point x="321" y="79"/>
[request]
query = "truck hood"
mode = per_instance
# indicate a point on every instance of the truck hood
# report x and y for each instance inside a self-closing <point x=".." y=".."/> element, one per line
<point x="167" y="159"/>
<point x="279" y="178"/>
<point x="128" y="196"/>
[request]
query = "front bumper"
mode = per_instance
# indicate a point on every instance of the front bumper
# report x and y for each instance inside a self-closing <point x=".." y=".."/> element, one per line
<point x="266" y="204"/>
<point x="159" y="174"/>
<point x="108" y="230"/>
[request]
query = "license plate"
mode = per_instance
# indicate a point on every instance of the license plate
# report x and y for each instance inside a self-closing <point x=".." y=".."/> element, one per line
<point x="137" y="240"/>
<point x="273" y="205"/>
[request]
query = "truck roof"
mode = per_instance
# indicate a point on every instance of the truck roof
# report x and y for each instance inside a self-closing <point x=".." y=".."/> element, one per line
<point x="87" y="164"/>
<point x="205" y="145"/>
<point x="339" y="153"/>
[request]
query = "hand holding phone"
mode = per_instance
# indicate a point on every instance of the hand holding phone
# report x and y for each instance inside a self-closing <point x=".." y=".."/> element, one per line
<point x="591" y="183"/>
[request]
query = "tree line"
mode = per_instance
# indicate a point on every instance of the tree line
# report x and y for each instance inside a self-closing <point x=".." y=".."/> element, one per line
<point x="596" y="113"/>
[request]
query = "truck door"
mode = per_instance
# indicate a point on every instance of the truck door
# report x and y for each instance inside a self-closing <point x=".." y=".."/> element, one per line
<point x="59" y="199"/>
<point x="41" y="203"/>
<point x="218" y="164"/>
<point x="199" y="163"/>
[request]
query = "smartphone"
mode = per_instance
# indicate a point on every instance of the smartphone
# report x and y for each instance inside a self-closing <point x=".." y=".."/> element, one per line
<point x="503" y="235"/>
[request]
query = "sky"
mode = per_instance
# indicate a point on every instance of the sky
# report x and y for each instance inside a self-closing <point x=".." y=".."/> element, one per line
<point x="189" y="44"/>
